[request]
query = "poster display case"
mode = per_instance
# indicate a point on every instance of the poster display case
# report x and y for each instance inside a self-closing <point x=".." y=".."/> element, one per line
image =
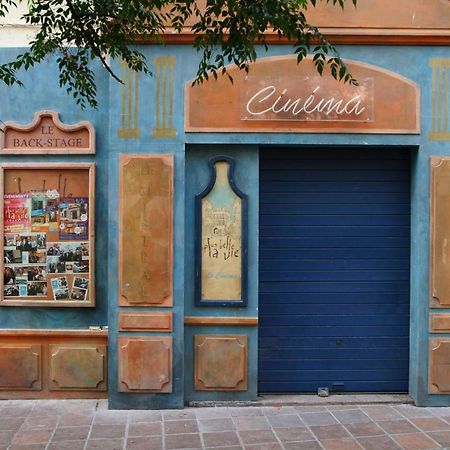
<point x="47" y="232"/>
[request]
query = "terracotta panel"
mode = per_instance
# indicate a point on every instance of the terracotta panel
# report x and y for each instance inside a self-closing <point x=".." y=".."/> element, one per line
<point x="439" y="373"/>
<point x="372" y="20"/>
<point x="78" y="366"/>
<point x="220" y="363"/>
<point x="440" y="233"/>
<point x="148" y="321"/>
<point x="145" y="230"/>
<point x="145" y="364"/>
<point x="46" y="134"/>
<point x="440" y="323"/>
<point x="20" y="366"/>
<point x="224" y="321"/>
<point x="278" y="95"/>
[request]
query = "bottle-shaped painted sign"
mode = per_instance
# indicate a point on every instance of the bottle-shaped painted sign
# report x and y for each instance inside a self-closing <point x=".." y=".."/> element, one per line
<point x="221" y="239"/>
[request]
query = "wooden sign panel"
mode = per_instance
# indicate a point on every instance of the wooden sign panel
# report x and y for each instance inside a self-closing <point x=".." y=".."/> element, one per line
<point x="221" y="239"/>
<point x="145" y="230"/>
<point x="440" y="233"/>
<point x="47" y="135"/>
<point x="279" y="95"/>
<point x="48" y="234"/>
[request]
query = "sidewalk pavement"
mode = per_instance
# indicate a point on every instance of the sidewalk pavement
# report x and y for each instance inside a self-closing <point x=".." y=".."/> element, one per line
<point x="89" y="425"/>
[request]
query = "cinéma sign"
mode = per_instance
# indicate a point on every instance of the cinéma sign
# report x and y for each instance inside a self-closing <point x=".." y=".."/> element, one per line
<point x="303" y="98"/>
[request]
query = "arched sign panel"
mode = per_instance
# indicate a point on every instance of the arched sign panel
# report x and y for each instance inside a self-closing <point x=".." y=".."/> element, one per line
<point x="278" y="95"/>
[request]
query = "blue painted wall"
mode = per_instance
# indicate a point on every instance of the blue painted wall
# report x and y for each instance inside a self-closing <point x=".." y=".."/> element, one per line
<point x="42" y="91"/>
<point x="191" y="152"/>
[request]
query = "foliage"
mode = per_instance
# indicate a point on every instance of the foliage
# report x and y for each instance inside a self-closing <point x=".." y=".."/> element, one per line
<point x="226" y="32"/>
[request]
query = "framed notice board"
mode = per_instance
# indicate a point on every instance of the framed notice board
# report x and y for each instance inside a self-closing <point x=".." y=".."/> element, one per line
<point x="47" y="227"/>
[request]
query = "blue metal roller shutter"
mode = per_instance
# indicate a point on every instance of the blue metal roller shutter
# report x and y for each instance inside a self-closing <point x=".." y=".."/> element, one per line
<point x="334" y="270"/>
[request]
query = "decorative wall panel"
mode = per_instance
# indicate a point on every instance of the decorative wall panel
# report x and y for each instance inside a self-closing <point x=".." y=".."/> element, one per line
<point x="46" y="134"/>
<point x="220" y="363"/>
<point x="221" y="240"/>
<point x="130" y="104"/>
<point x="439" y="323"/>
<point x="164" y="70"/>
<point x="53" y="363"/>
<point x="145" y="230"/>
<point x="439" y="360"/>
<point x="271" y="98"/>
<point x="20" y="366"/>
<point x="78" y="367"/>
<point x="440" y="233"/>
<point x="145" y="364"/>
<point x="440" y="125"/>
<point x="148" y="321"/>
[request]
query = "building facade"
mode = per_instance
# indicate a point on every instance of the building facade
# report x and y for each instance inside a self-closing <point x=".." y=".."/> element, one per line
<point x="284" y="233"/>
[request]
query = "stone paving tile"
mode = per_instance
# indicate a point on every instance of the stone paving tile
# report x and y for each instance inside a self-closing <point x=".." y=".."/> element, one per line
<point x="330" y="432"/>
<point x="145" y="443"/>
<point x="378" y="443"/>
<point x="33" y="421"/>
<point x="397" y="426"/>
<point x="411" y="411"/>
<point x="364" y="429"/>
<point x="225" y="424"/>
<point x="318" y="418"/>
<point x="278" y="410"/>
<point x="442" y="437"/>
<point x="105" y="444"/>
<point x="243" y="411"/>
<point x="144" y="429"/>
<point x="176" y="441"/>
<point x="340" y="444"/>
<point x="70" y="434"/>
<point x="15" y="411"/>
<point x="185" y="414"/>
<point x="263" y="447"/>
<point x="234" y="447"/>
<point x="257" y="437"/>
<point x="285" y="421"/>
<point x="145" y="416"/>
<point x="381" y="412"/>
<point x="431" y="424"/>
<point x="308" y="445"/>
<point x="13" y="423"/>
<point x="111" y="417"/>
<point x="74" y="420"/>
<point x="107" y="431"/>
<point x="6" y="436"/>
<point x="67" y="445"/>
<point x="415" y="441"/>
<point x="26" y="437"/>
<point x="180" y="426"/>
<point x="219" y="439"/>
<point x="212" y="413"/>
<point x="350" y="416"/>
<point x="28" y="447"/>
<point x="251" y="422"/>
<point x="293" y="434"/>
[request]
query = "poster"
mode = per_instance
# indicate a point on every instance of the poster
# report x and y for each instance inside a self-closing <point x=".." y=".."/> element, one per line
<point x="16" y="212"/>
<point x="44" y="210"/>
<point x="73" y="216"/>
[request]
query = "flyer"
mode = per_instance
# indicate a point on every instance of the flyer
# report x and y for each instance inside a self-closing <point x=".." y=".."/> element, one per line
<point x="73" y="218"/>
<point x="16" y="213"/>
